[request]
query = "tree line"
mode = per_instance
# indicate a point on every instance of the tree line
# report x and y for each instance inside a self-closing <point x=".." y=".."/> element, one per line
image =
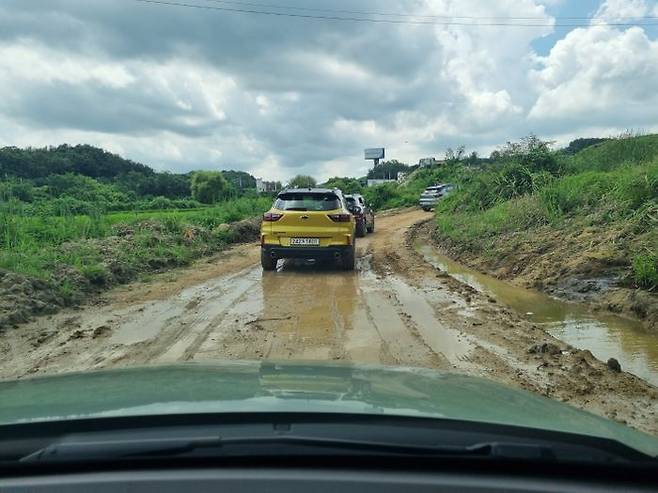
<point x="84" y="179"/>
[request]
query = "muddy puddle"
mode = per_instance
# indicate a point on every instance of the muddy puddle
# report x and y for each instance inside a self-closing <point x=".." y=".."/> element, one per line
<point x="605" y="335"/>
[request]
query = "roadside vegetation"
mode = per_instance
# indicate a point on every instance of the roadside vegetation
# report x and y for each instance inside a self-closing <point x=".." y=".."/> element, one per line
<point x="607" y="192"/>
<point x="573" y="222"/>
<point x="74" y="220"/>
<point x="77" y="220"/>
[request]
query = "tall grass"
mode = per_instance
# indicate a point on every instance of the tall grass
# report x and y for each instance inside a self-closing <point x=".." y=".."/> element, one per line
<point x="615" y="153"/>
<point x="645" y="271"/>
<point x="622" y="190"/>
<point x="33" y="244"/>
<point x="611" y="186"/>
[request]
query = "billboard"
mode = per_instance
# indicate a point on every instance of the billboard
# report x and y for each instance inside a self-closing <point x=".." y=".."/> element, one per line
<point x="375" y="153"/>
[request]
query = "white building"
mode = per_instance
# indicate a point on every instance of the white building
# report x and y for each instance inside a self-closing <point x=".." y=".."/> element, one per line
<point x="373" y="182"/>
<point x="428" y="161"/>
<point x="263" y="186"/>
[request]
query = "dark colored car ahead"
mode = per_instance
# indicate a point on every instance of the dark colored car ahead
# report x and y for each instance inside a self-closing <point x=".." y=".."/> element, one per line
<point x="363" y="213"/>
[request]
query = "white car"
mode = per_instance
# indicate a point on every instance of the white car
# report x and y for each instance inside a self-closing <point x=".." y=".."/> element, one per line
<point x="433" y="194"/>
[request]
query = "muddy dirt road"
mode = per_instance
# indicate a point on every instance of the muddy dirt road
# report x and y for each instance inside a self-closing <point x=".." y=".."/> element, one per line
<point x="396" y="309"/>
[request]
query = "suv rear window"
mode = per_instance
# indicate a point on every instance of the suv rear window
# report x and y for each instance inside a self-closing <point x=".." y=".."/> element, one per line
<point x="307" y="202"/>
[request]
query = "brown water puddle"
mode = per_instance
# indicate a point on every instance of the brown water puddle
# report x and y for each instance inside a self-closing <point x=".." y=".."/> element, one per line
<point x="605" y="335"/>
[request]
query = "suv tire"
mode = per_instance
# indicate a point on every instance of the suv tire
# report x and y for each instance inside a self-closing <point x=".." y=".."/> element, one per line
<point x="361" y="229"/>
<point x="266" y="261"/>
<point x="348" y="259"/>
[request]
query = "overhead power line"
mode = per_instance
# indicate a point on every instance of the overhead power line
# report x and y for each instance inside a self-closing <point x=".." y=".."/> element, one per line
<point x="384" y="21"/>
<point x="417" y="16"/>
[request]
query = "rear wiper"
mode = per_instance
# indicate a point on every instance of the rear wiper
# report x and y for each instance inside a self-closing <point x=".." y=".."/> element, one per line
<point x="85" y="451"/>
<point x="301" y="209"/>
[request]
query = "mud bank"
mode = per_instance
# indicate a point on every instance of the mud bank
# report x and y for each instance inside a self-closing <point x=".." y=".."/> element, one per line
<point x="587" y="265"/>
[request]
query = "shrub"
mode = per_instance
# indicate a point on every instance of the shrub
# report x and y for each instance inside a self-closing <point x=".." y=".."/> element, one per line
<point x="96" y="274"/>
<point x="209" y="187"/>
<point x="382" y="195"/>
<point x="159" y="203"/>
<point x="645" y="271"/>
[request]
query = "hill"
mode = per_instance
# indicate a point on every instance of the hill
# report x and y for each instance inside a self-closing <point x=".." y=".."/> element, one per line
<point x="84" y="179"/>
<point x="80" y="159"/>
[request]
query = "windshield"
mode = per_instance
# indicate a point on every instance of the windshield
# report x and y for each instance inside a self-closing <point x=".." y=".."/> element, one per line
<point x="400" y="188"/>
<point x="307" y="202"/>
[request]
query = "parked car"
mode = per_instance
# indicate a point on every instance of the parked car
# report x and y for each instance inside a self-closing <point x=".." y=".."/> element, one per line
<point x="308" y="223"/>
<point x="432" y="194"/>
<point x="363" y="213"/>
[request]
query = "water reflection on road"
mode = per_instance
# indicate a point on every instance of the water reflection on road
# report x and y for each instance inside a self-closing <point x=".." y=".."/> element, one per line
<point x="605" y="335"/>
<point x="316" y="309"/>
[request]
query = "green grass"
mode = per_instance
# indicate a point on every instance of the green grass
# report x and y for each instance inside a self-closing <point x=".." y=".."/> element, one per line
<point x="616" y="153"/>
<point x="54" y="247"/>
<point x="645" y="271"/>
<point x="622" y="190"/>
<point x="612" y="187"/>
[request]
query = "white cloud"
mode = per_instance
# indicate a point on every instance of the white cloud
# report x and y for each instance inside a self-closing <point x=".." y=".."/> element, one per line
<point x="622" y="10"/>
<point x="598" y="74"/>
<point x="30" y="61"/>
<point x="181" y="89"/>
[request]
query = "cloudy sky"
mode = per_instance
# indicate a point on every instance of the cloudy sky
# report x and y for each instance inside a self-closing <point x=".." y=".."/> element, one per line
<point x="180" y="88"/>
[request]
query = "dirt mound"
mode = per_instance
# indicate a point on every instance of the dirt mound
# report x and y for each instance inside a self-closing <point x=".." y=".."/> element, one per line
<point x="148" y="246"/>
<point x="590" y="265"/>
<point x="246" y="230"/>
<point x="21" y="297"/>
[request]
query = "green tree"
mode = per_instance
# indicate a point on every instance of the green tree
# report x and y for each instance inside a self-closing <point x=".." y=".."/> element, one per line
<point x="388" y="170"/>
<point x="302" y="181"/>
<point x="580" y="144"/>
<point x="209" y="187"/>
<point x="345" y="183"/>
<point x="532" y="153"/>
<point x="240" y="180"/>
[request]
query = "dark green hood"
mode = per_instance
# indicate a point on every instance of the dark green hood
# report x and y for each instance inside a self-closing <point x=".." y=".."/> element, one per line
<point x="297" y="387"/>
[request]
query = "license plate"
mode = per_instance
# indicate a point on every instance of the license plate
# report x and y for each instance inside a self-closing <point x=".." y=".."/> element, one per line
<point x="305" y="241"/>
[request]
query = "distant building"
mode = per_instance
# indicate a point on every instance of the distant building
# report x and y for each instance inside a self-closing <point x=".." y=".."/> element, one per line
<point x="263" y="186"/>
<point x="373" y="182"/>
<point x="426" y="162"/>
<point x="401" y="176"/>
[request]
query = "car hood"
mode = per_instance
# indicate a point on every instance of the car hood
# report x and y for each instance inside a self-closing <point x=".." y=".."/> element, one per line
<point x="297" y="387"/>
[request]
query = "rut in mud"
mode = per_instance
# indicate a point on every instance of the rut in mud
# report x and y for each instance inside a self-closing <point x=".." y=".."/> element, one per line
<point x="396" y="309"/>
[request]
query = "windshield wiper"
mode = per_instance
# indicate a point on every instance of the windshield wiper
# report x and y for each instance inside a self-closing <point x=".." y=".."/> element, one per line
<point x="84" y="451"/>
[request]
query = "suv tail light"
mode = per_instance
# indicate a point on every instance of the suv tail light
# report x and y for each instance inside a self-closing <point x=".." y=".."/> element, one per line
<point x="272" y="216"/>
<point x="340" y="218"/>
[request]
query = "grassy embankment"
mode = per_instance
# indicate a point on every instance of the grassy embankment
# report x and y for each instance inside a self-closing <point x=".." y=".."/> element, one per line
<point x="606" y="196"/>
<point x="553" y="220"/>
<point x="73" y="255"/>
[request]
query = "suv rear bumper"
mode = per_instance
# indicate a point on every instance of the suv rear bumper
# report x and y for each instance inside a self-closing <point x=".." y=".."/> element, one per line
<point x="305" y="252"/>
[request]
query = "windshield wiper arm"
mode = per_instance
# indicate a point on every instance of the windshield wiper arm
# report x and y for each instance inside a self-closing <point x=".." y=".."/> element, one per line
<point x="84" y="451"/>
<point x="108" y="449"/>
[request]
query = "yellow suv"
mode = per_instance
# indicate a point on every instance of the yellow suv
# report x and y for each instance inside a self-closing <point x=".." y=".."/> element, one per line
<point x="308" y="223"/>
